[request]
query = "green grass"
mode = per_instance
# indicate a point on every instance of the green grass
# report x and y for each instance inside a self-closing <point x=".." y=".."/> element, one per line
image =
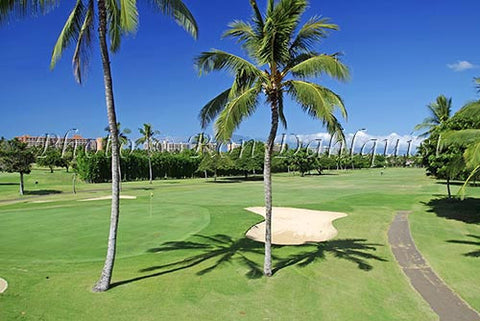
<point x="182" y="254"/>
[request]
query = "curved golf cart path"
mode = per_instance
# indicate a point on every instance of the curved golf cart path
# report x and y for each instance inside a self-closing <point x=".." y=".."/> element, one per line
<point x="442" y="300"/>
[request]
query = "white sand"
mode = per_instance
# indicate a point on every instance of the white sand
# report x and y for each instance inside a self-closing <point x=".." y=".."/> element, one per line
<point x="3" y="285"/>
<point x="108" y="197"/>
<point x="293" y="226"/>
<point x="44" y="201"/>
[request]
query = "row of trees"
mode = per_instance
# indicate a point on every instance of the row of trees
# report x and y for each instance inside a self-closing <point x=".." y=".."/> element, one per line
<point x="143" y="164"/>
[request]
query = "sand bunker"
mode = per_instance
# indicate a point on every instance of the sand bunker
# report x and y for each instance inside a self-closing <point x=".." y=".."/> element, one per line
<point x="108" y="197"/>
<point x="293" y="226"/>
<point x="43" y="201"/>
<point x="3" y="285"/>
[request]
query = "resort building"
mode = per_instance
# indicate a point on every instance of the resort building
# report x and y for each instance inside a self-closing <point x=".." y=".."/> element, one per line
<point x="58" y="142"/>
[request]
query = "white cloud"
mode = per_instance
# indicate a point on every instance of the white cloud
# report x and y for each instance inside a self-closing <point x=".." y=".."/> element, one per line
<point x="461" y="65"/>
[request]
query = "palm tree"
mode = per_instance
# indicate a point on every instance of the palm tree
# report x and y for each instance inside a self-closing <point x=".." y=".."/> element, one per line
<point x="468" y="138"/>
<point x="440" y="112"/>
<point x="122" y="134"/>
<point x="115" y="18"/>
<point x="147" y="137"/>
<point x="282" y="60"/>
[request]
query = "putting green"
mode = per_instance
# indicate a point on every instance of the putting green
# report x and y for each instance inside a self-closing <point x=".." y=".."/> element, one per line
<point x="64" y="232"/>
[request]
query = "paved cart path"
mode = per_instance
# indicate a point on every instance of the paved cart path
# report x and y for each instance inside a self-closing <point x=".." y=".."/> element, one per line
<point x="443" y="301"/>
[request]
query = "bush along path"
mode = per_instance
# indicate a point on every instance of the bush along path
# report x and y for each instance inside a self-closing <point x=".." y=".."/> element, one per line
<point x="438" y="295"/>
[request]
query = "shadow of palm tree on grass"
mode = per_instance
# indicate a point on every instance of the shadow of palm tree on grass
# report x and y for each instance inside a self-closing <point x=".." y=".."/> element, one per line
<point x="475" y="253"/>
<point x="219" y="249"/>
<point x="42" y="192"/>
<point x="353" y="250"/>
<point x="466" y="211"/>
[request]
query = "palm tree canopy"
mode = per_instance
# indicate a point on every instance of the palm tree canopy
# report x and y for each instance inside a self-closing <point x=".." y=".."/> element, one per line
<point x="282" y="57"/>
<point x="440" y="111"/>
<point x="122" y="133"/>
<point x="147" y="133"/>
<point x="122" y="18"/>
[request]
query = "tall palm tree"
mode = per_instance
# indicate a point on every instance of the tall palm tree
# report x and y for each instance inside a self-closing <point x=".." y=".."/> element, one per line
<point x="440" y="112"/>
<point x="282" y="58"/>
<point x="147" y="137"/>
<point x="114" y="19"/>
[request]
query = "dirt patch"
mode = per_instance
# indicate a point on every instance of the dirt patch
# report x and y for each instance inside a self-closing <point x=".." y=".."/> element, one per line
<point x="293" y="226"/>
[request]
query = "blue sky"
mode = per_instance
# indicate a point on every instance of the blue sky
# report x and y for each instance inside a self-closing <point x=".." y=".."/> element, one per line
<point x="402" y="54"/>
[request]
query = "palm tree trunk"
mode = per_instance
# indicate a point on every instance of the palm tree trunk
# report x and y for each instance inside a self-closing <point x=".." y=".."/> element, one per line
<point x="448" y="188"/>
<point x="104" y="282"/>
<point x="267" y="180"/>
<point x="73" y="183"/>
<point x="21" y="184"/>
<point x="149" y="161"/>
<point x="150" y="168"/>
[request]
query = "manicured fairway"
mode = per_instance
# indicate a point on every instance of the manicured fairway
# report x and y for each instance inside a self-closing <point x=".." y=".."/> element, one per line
<point x="182" y="253"/>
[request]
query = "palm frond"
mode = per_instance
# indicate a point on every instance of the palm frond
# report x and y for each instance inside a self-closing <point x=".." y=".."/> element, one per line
<point x="213" y="108"/>
<point x="472" y="155"/>
<point x="471" y="111"/>
<point x="440" y="109"/>
<point x="141" y="140"/>
<point x="440" y="112"/>
<point x="257" y="17"/>
<point x="321" y="64"/>
<point x="21" y="8"/>
<point x="312" y="31"/>
<point x="221" y="60"/>
<point x="245" y="34"/>
<point x="241" y="30"/>
<point x="235" y="111"/>
<point x="180" y="13"/>
<point x="280" y="24"/>
<point x="128" y="16"/>
<point x="461" y="191"/>
<point x="270" y="6"/>
<point x="429" y="124"/>
<point x="477" y="83"/>
<point x="460" y="137"/>
<point x="81" y="53"/>
<point x="114" y="24"/>
<point x="69" y="32"/>
<point x="318" y="102"/>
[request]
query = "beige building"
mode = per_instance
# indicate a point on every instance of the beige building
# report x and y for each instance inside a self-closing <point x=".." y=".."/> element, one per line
<point x="59" y="142"/>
